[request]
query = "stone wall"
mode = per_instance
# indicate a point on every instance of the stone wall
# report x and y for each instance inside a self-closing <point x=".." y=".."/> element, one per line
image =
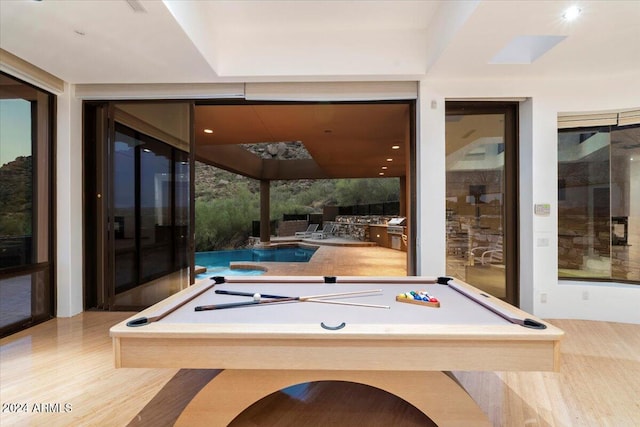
<point x="575" y="243"/>
<point x="356" y="227"/>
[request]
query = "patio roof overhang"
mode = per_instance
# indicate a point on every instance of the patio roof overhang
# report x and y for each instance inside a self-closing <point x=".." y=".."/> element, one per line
<point x="344" y="140"/>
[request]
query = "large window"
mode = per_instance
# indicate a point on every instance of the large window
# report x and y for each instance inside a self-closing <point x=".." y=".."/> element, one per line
<point x="599" y="203"/>
<point x="25" y="204"/>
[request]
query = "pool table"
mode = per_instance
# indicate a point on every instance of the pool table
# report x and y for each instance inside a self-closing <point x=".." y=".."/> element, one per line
<point x="369" y="336"/>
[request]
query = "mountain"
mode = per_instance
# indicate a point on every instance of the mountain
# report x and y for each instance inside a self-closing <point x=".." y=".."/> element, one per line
<point x="214" y="183"/>
<point x="16" y="181"/>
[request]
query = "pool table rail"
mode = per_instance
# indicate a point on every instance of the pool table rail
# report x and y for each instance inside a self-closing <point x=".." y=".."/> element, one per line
<point x="390" y="354"/>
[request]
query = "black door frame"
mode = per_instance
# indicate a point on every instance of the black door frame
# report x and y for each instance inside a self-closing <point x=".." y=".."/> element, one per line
<point x="511" y="184"/>
<point x="99" y="235"/>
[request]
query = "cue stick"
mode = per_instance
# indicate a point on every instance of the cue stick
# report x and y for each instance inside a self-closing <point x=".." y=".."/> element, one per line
<point x="247" y="294"/>
<point x="357" y="304"/>
<point x="279" y="300"/>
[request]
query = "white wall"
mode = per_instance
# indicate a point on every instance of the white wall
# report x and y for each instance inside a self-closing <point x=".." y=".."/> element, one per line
<point x="574" y="299"/>
<point x="542" y="100"/>
<point x="431" y="169"/>
<point x="69" y="204"/>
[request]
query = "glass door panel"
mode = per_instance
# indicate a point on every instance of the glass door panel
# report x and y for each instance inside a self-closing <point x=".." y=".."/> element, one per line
<point x="151" y="205"/>
<point x="124" y="209"/>
<point x="155" y="210"/>
<point x="475" y="200"/>
<point x="138" y="202"/>
<point x="182" y="211"/>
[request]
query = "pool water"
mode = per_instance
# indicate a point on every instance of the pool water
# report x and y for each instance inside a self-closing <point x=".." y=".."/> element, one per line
<point x="217" y="262"/>
<point x="226" y="271"/>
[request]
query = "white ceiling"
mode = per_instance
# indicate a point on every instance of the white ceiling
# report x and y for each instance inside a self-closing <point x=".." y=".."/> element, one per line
<point x="183" y="41"/>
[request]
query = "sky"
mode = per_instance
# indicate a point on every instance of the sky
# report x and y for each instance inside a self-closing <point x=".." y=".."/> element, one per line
<point x="15" y="129"/>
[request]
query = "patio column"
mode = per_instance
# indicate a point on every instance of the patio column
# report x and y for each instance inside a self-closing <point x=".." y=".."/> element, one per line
<point x="265" y="227"/>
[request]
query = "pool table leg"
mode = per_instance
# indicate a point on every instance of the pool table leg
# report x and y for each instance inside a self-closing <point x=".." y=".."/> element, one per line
<point x="435" y="393"/>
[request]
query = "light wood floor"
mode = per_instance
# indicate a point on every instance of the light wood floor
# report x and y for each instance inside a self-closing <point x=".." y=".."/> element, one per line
<point x="69" y="362"/>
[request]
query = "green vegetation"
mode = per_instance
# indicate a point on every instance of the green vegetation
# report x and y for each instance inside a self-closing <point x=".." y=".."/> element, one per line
<point x="226" y="222"/>
<point x="227" y="204"/>
<point x="363" y="191"/>
<point x="15" y="197"/>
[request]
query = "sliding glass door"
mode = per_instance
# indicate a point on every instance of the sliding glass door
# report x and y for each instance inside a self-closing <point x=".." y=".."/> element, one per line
<point x="139" y="235"/>
<point x="142" y="193"/>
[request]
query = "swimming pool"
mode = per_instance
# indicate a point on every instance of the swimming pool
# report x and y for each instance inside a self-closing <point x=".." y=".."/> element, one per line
<point x="218" y="262"/>
<point x="226" y="271"/>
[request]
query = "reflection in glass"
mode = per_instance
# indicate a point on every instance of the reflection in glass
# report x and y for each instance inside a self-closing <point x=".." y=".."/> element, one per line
<point x="24" y="297"/>
<point x="475" y="194"/>
<point x="155" y="210"/>
<point x="124" y="219"/>
<point x="25" y="204"/>
<point x="599" y="203"/>
<point x="151" y="209"/>
<point x="16" y="182"/>
<point x="15" y="300"/>
<point x="182" y="202"/>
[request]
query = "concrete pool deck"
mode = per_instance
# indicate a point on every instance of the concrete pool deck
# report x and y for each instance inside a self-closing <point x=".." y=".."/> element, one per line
<point x="337" y="257"/>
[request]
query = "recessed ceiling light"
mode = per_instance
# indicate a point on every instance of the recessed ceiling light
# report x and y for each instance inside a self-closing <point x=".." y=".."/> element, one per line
<point x="395" y="147"/>
<point x="381" y="173"/>
<point x="208" y="131"/>
<point x="389" y="160"/>
<point x="79" y="32"/>
<point x="571" y="13"/>
<point x="384" y="168"/>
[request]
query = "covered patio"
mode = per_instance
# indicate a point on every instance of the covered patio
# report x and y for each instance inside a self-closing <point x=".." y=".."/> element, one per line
<point x="342" y="140"/>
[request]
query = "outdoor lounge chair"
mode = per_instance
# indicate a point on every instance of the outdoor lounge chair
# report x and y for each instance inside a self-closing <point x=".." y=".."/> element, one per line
<point x="307" y="233"/>
<point x="326" y="231"/>
<point x="489" y="254"/>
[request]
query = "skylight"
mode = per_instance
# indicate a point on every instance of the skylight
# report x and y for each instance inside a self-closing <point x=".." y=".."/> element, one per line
<point x="526" y="49"/>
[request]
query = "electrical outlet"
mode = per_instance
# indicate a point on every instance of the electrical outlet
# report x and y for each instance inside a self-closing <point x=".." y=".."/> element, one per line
<point x="543" y="298"/>
<point x="585" y="295"/>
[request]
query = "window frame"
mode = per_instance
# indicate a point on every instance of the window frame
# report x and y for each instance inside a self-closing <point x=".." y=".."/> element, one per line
<point x="597" y="125"/>
<point x="43" y="187"/>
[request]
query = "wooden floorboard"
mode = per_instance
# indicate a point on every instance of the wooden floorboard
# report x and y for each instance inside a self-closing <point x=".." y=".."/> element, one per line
<point x="166" y="406"/>
<point x="61" y="373"/>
